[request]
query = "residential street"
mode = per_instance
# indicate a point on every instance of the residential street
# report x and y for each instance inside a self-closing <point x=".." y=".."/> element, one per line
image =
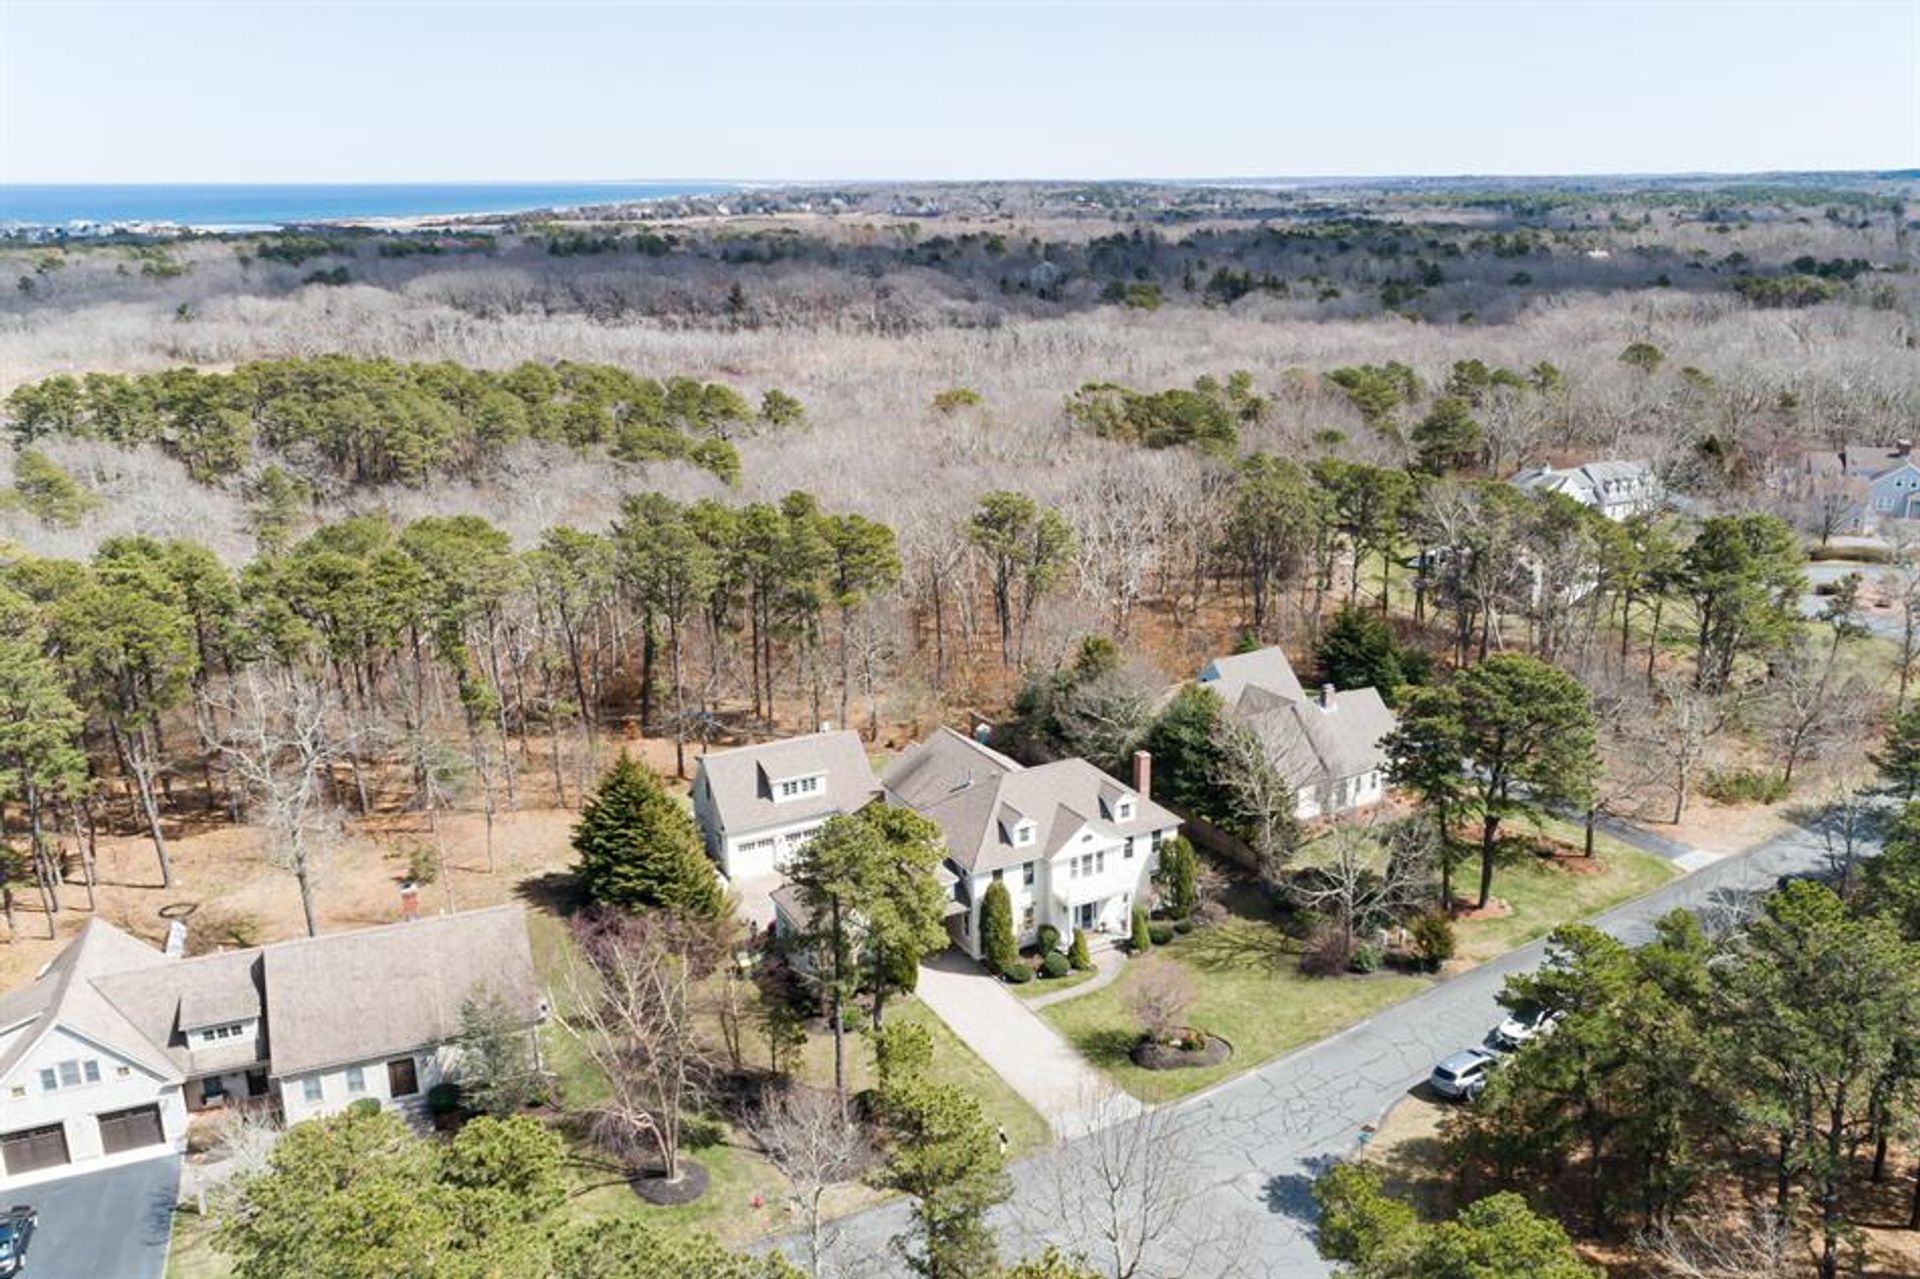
<point x="1258" y="1140"/>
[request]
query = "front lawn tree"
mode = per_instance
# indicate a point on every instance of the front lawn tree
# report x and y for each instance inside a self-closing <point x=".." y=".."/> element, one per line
<point x="997" y="941"/>
<point x="1521" y="733"/>
<point x="638" y="846"/>
<point x="1743" y="575"/>
<point x="945" y="1155"/>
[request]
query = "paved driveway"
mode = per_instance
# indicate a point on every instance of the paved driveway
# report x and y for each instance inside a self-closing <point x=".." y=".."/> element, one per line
<point x="111" y="1224"/>
<point x="1260" y="1140"/>
<point x="1022" y="1049"/>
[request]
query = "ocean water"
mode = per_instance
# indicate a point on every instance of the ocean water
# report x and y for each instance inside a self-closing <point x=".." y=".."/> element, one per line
<point x="269" y="205"/>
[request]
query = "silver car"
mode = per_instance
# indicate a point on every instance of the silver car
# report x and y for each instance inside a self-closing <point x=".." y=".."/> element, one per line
<point x="1463" y="1076"/>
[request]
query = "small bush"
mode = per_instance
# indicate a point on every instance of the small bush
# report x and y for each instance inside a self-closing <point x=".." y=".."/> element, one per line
<point x="702" y="1132"/>
<point x="1161" y="933"/>
<point x="1327" y="954"/>
<point x="443" y="1098"/>
<point x="1744" y="786"/>
<point x="1142" y="938"/>
<point x="1366" y="959"/>
<point x="1055" y="965"/>
<point x="854" y="1017"/>
<point x="423" y="864"/>
<point x="1049" y="939"/>
<point x="1433" y="938"/>
<point x="1077" y="955"/>
<point x="364" y="1106"/>
<point x="1017" y="974"/>
<point x="1183" y="926"/>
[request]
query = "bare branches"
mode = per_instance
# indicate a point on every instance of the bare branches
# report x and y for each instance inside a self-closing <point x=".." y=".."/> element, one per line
<point x="804" y="1133"/>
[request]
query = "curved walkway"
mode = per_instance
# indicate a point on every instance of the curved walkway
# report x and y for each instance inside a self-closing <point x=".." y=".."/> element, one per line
<point x="1259" y="1140"/>
<point x="1106" y="972"/>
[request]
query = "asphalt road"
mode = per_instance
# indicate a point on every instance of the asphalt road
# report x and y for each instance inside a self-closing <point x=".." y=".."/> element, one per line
<point x="1255" y="1144"/>
<point x="111" y="1224"/>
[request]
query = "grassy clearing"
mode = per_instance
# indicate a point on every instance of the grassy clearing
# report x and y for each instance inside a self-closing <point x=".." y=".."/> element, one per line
<point x="1251" y="993"/>
<point x="1541" y="894"/>
<point x="191" y="1254"/>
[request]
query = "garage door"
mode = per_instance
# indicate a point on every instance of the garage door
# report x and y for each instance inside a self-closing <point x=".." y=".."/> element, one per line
<point x="34" y="1148"/>
<point x="130" y="1129"/>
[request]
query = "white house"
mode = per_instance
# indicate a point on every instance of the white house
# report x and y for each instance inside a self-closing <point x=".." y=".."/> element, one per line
<point x="1616" y="489"/>
<point x="1075" y="848"/>
<point x="757" y="805"/>
<point x="1329" y="747"/>
<point x="104" y="1056"/>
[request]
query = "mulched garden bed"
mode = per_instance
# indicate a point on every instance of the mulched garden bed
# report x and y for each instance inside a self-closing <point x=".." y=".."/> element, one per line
<point x="657" y="1190"/>
<point x="1150" y="1055"/>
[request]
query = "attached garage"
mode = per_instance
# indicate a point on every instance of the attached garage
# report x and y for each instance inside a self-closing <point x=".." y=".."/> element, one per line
<point x="122" y="1130"/>
<point x="34" y="1148"/>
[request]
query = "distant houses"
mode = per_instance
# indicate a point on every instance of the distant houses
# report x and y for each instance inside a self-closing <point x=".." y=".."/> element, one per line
<point x="1616" y="489"/>
<point x="1879" y="483"/>
<point x="758" y="805"/>
<point x="1328" y="746"/>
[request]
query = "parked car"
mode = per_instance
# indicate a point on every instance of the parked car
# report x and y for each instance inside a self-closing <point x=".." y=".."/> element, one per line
<point x="1463" y="1076"/>
<point x="17" y="1225"/>
<point x="1525" y="1024"/>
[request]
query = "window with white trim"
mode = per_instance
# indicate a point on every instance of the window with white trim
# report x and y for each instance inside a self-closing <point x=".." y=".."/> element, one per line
<point x="70" y="1073"/>
<point x="1026" y="874"/>
<point x="356" y="1080"/>
<point x="310" y="1088"/>
<point x="797" y="787"/>
<point x="1023" y="834"/>
<point x="1123" y="811"/>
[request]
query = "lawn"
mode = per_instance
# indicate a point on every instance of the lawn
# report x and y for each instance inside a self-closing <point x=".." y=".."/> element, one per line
<point x="1542" y="894"/>
<point x="191" y="1254"/>
<point x="1051" y="985"/>
<point x="1250" y="990"/>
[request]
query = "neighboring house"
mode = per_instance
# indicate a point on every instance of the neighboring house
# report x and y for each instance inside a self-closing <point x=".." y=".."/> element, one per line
<point x="1328" y="747"/>
<point x="1075" y="848"/>
<point x="104" y="1056"/>
<point x="1882" y="483"/>
<point x="1615" y="489"/>
<point x="757" y="805"/>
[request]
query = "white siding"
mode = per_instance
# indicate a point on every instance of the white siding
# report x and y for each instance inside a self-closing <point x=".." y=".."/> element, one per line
<point x="123" y="1085"/>
<point x="430" y="1067"/>
<point x="1092" y="867"/>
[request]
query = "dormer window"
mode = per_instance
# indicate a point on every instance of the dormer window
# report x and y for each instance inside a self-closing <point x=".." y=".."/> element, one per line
<point x="1022" y="834"/>
<point x="1123" y="810"/>
<point x="798" y="787"/>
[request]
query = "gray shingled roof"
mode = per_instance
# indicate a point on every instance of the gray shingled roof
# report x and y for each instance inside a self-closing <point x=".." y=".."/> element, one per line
<point x="1266" y="668"/>
<point x="1312" y="745"/>
<point x="65" y="993"/>
<point x="1587" y="483"/>
<point x="977" y="796"/>
<point x="352" y="996"/>
<point x="165" y="1001"/>
<point x="741" y="780"/>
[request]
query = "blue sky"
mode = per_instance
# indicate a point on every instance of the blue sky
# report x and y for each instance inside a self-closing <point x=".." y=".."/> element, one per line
<point x="276" y="92"/>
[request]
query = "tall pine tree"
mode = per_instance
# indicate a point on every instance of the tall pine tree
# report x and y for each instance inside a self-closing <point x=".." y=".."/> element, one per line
<point x="638" y="846"/>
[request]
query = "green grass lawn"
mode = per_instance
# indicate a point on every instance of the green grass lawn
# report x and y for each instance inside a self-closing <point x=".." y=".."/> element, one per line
<point x="191" y="1254"/>
<point x="1049" y="985"/>
<point x="1542" y="895"/>
<point x="1250" y="990"/>
<point x="1251" y="993"/>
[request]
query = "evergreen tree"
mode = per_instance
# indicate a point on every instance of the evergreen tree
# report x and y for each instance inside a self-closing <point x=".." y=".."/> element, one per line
<point x="944" y="1153"/>
<point x="1142" y="937"/>
<point x="638" y="846"/>
<point x="997" y="942"/>
<point x="1899" y="757"/>
<point x="1180" y="876"/>
<point x="1358" y="650"/>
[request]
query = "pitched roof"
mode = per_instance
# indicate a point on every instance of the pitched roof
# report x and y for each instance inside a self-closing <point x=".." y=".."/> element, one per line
<point x="65" y="993"/>
<point x="354" y="996"/>
<point x="979" y="796"/>
<point x="1591" y="483"/>
<point x="741" y="780"/>
<point x="1266" y="668"/>
<point x="1870" y="462"/>
<point x="1312" y="744"/>
<point x="326" y="1000"/>
<point x="165" y="1001"/>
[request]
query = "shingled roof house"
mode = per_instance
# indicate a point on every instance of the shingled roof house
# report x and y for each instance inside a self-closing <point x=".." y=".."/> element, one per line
<point x="105" y="1054"/>
<point x="1327" y="746"/>
<point x="1075" y="848"/>
<point x="1616" y="489"/>
<point x="756" y="805"/>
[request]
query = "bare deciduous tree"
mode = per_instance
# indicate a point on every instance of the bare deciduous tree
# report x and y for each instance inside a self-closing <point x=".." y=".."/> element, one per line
<point x="633" y="1006"/>
<point x="1161" y="1000"/>
<point x="804" y="1133"/>
<point x="1362" y="878"/>
<point x="282" y="738"/>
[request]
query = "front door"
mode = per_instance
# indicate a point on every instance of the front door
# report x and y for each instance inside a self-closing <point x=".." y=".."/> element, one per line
<point x="1086" y="914"/>
<point x="402" y="1081"/>
<point x="256" y="1083"/>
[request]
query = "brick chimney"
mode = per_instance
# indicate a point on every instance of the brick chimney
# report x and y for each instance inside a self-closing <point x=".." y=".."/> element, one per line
<point x="1327" y="696"/>
<point x="1143" y="773"/>
<point x="409" y="901"/>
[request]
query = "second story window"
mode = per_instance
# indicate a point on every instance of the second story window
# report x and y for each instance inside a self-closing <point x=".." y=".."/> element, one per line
<point x="796" y="787"/>
<point x="1026" y="874"/>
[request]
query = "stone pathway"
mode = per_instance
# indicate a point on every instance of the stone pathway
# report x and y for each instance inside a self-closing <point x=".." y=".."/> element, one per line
<point x="1108" y="965"/>
<point x="1030" y="1055"/>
